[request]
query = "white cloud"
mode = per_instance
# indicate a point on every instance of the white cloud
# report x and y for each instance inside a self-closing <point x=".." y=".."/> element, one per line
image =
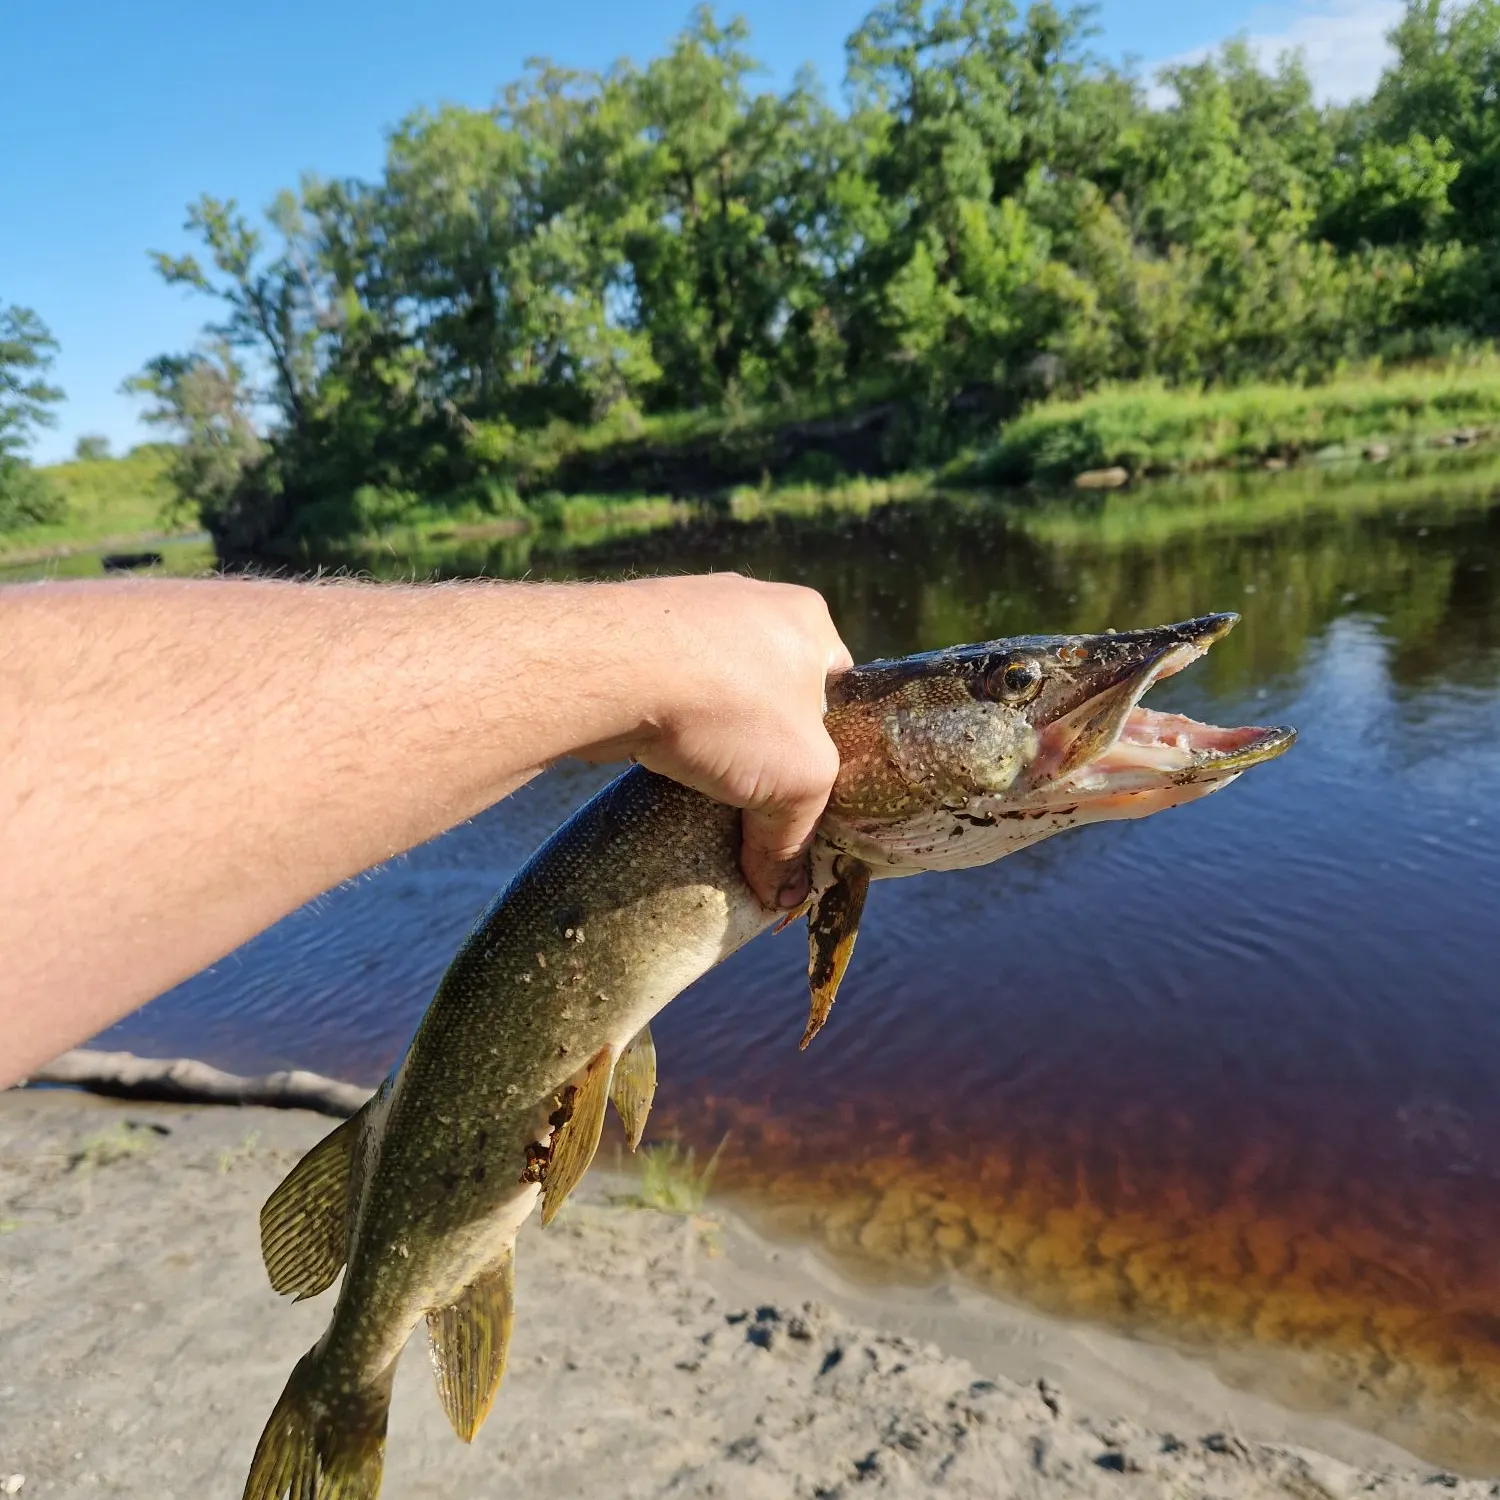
<point x="1342" y="43"/>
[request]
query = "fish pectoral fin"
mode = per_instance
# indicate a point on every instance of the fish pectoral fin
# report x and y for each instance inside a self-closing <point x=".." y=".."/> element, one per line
<point x="832" y="926"/>
<point x="468" y="1341"/>
<point x="304" y="1226"/>
<point x="577" y="1124"/>
<point x="633" y="1085"/>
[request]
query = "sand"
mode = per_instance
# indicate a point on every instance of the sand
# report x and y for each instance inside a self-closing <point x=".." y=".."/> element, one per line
<point x="141" y="1350"/>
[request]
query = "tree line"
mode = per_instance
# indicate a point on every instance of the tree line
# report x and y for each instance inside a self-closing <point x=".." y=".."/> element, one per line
<point x="987" y="213"/>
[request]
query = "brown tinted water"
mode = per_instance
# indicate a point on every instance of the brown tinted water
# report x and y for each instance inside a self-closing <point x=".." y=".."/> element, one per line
<point x="1226" y="1078"/>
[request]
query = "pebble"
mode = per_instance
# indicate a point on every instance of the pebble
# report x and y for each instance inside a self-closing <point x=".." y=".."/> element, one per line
<point x="11" y="1485"/>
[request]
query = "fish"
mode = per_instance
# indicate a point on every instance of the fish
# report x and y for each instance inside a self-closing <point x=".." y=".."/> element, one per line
<point x="948" y="760"/>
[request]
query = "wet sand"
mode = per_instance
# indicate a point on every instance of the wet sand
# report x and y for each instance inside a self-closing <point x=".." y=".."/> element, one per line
<point x="141" y="1350"/>
<point x="1293" y="1269"/>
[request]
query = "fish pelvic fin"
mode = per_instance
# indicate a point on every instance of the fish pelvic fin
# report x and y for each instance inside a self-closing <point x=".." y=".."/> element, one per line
<point x="633" y="1085"/>
<point x="577" y="1123"/>
<point x="832" y="926"/>
<point x="322" y="1442"/>
<point x="304" y="1226"/>
<point x="468" y="1341"/>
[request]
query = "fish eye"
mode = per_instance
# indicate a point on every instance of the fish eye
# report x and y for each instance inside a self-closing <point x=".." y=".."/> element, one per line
<point x="1018" y="680"/>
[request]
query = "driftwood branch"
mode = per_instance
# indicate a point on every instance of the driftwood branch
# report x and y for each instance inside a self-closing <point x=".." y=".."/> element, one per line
<point x="180" y="1080"/>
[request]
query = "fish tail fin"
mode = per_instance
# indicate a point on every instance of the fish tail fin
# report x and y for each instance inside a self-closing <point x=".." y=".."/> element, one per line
<point x="322" y="1443"/>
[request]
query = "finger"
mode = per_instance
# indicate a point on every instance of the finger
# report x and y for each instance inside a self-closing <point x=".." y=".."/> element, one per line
<point x="774" y="842"/>
<point x="779" y="881"/>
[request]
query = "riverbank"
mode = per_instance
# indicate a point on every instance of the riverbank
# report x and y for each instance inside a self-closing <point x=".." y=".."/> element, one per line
<point x="585" y="487"/>
<point x="110" y="503"/>
<point x="559" y="522"/>
<point x="141" y="1349"/>
<point x="1145" y="428"/>
<point x="421" y="539"/>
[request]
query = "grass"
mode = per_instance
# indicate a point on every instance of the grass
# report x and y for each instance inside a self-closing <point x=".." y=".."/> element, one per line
<point x="1158" y="513"/>
<point x="671" y="1182"/>
<point x="598" y="516"/>
<point x="236" y="1156"/>
<point x="1146" y="428"/>
<point x="181" y="557"/>
<point x="109" y="501"/>
<point x="554" y="521"/>
<point x="853" y="496"/>
<point x="109" y="1146"/>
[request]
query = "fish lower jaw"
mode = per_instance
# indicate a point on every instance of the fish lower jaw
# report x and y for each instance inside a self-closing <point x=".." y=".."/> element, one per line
<point x="1159" y="750"/>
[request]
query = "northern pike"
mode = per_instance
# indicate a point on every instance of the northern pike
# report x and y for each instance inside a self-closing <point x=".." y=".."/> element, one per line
<point x="948" y="760"/>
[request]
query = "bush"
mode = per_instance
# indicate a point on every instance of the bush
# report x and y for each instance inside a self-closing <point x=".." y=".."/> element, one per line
<point x="26" y="497"/>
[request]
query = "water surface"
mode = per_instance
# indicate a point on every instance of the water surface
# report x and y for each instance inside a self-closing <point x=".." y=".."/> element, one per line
<point x="1226" y="1077"/>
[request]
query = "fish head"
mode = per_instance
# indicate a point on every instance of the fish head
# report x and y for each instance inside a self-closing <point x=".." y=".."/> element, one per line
<point x="954" y="758"/>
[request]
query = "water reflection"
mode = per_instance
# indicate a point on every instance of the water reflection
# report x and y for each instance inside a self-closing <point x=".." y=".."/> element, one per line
<point x="1227" y="1076"/>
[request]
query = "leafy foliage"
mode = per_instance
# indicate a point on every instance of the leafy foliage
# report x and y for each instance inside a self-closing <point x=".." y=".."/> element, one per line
<point x="550" y="292"/>
<point x="26" y="401"/>
<point x="202" y="400"/>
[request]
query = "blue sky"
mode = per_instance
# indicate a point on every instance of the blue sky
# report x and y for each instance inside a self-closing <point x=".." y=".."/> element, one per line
<point x="116" y="116"/>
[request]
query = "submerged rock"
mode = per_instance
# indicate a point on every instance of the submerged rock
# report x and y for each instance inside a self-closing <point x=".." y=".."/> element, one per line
<point x="1102" y="479"/>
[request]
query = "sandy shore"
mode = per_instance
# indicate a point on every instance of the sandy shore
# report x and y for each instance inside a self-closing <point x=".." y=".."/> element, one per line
<point x="141" y="1350"/>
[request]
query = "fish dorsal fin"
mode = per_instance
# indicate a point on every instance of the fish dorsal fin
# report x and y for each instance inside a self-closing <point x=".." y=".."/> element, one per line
<point x="577" y="1123"/>
<point x="633" y="1086"/>
<point x="832" y="926"/>
<point x="304" y="1226"/>
<point x="468" y="1340"/>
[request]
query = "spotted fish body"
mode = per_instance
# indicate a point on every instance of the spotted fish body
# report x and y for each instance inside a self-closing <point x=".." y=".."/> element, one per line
<point x="634" y="898"/>
<point x="949" y="759"/>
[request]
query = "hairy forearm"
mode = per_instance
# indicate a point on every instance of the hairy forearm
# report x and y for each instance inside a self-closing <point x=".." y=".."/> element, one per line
<point x="184" y="763"/>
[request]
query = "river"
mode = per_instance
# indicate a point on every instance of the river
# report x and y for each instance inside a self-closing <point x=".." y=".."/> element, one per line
<point x="1226" y="1078"/>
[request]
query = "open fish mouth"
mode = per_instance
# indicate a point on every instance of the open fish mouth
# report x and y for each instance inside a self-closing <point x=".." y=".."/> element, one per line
<point x="1110" y="744"/>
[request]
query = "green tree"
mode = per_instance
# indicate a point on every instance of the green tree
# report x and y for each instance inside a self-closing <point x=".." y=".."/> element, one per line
<point x="203" y="401"/>
<point x="993" y="214"/>
<point x="715" y="264"/>
<point x="27" y="399"/>
<point x="274" y="307"/>
<point x="1442" y="86"/>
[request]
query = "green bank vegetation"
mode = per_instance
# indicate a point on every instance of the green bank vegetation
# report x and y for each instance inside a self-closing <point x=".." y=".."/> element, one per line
<point x="671" y="1180"/>
<point x="1219" y="504"/>
<point x="667" y="280"/>
<point x="1149" y="428"/>
<point x="120" y="1143"/>
<point x="27" y="398"/>
<point x="99" y="501"/>
<point x="99" y="508"/>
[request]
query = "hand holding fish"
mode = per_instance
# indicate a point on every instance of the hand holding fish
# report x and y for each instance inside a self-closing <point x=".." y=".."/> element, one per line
<point x="733" y="675"/>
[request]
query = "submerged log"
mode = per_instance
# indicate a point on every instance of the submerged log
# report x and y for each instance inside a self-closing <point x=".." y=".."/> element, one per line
<point x="181" y="1080"/>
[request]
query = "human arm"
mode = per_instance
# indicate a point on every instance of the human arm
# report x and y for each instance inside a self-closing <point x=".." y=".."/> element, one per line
<point x="183" y="763"/>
